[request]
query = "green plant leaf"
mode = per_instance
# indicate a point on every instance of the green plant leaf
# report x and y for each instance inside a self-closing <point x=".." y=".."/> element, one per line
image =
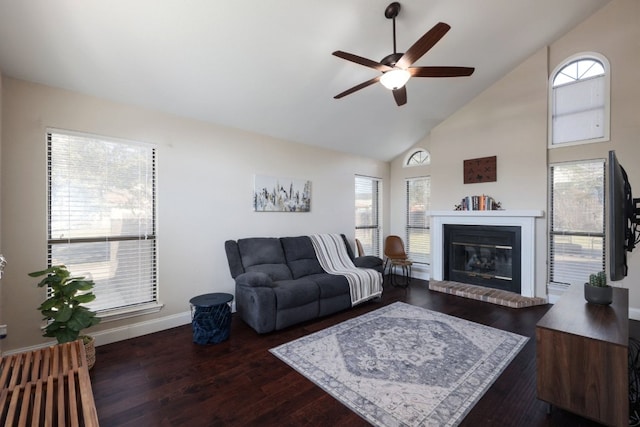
<point x="64" y="314"/>
<point x="84" y="298"/>
<point x="52" y="328"/>
<point x="47" y="271"/>
<point x="48" y="304"/>
<point x="67" y="335"/>
<point x="84" y="285"/>
<point x="82" y="318"/>
<point x="71" y="288"/>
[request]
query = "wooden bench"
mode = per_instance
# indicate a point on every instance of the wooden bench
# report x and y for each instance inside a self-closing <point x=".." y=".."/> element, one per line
<point x="47" y="387"/>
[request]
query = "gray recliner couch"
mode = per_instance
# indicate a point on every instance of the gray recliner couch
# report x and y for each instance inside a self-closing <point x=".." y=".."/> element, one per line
<point x="279" y="281"/>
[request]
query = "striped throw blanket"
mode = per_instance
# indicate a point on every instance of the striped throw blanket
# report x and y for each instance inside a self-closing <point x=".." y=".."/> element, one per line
<point x="364" y="283"/>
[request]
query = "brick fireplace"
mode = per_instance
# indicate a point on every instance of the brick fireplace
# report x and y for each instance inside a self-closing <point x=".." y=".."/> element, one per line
<point x="486" y="258"/>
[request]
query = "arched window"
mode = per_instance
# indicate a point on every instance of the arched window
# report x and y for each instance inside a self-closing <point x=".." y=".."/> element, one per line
<point x="579" y="101"/>
<point x="418" y="157"/>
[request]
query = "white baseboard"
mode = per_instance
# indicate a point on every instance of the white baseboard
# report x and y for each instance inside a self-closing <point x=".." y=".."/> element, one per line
<point x="420" y="273"/>
<point x="133" y="330"/>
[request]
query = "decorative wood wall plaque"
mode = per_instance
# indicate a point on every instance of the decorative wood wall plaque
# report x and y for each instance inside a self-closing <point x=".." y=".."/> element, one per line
<point x="482" y="169"/>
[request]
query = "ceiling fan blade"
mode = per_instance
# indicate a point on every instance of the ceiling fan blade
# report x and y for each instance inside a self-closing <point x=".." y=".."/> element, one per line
<point x="362" y="61"/>
<point x="422" y="46"/>
<point x="357" y="87"/>
<point x="400" y="95"/>
<point x="441" y="71"/>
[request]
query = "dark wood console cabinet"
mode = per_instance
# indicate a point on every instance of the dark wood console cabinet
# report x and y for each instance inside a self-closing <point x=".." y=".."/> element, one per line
<point x="582" y="357"/>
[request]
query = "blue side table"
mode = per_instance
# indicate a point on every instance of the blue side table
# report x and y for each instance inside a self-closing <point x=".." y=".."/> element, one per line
<point x="211" y="317"/>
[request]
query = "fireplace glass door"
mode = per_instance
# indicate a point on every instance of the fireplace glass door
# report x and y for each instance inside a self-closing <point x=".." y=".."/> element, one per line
<point x="490" y="261"/>
<point x="483" y="255"/>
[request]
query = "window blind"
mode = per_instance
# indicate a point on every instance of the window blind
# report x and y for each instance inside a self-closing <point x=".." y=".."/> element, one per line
<point x="367" y="208"/>
<point x="579" y="111"/>
<point x="101" y="216"/>
<point x="576" y="240"/>
<point x="418" y="233"/>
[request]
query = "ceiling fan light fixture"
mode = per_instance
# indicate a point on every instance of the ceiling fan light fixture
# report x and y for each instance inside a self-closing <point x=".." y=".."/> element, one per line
<point x="395" y="79"/>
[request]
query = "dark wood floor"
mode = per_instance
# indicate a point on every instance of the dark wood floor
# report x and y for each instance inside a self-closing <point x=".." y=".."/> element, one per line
<point x="164" y="379"/>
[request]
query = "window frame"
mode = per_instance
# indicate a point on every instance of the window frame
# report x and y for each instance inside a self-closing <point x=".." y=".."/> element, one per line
<point x="551" y="232"/>
<point x="420" y="259"/>
<point x="607" y="99"/>
<point x="375" y="245"/>
<point x="122" y="311"/>
<point x="412" y="154"/>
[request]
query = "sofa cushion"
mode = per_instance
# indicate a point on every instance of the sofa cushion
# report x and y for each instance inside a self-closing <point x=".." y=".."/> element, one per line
<point x="294" y="293"/>
<point x="330" y="285"/>
<point x="264" y="255"/>
<point x="300" y="256"/>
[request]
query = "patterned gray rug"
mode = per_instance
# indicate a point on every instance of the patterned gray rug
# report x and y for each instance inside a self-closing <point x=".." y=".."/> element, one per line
<point x="403" y="365"/>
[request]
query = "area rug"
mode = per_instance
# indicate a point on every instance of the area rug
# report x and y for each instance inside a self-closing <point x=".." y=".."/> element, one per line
<point x="403" y="365"/>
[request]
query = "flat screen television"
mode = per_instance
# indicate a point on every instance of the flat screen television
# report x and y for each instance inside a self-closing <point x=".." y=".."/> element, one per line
<point x="623" y="218"/>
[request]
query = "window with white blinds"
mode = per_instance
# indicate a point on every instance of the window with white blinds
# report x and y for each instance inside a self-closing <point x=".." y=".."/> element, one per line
<point x="576" y="239"/>
<point x="579" y="101"/>
<point x="368" y="214"/>
<point x="418" y="234"/>
<point x="101" y="219"/>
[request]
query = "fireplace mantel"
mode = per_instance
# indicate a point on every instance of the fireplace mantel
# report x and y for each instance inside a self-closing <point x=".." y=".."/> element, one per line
<point x="488" y="214"/>
<point x="525" y="219"/>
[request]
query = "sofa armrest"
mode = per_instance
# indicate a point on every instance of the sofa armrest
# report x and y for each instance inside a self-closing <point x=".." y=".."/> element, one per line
<point x="233" y="258"/>
<point x="256" y="301"/>
<point x="254" y="279"/>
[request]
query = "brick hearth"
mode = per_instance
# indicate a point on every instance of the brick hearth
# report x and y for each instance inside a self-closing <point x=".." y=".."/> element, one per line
<point x="480" y="293"/>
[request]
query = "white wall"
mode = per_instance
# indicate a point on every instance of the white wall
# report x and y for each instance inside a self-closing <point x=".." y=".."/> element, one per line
<point x="205" y="183"/>
<point x="615" y="33"/>
<point x="509" y="120"/>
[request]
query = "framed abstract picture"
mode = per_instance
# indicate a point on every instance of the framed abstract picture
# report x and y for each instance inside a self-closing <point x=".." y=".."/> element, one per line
<point x="277" y="194"/>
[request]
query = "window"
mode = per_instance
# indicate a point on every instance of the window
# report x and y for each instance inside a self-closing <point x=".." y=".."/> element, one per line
<point x="368" y="214"/>
<point x="579" y="101"/>
<point x="418" y="234"/>
<point x="101" y="219"/>
<point x="418" y="158"/>
<point x="577" y="221"/>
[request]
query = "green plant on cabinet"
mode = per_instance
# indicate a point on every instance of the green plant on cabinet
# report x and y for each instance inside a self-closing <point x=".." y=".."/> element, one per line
<point x="598" y="279"/>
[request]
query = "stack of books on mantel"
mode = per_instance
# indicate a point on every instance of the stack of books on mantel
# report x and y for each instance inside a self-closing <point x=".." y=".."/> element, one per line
<point x="478" y="203"/>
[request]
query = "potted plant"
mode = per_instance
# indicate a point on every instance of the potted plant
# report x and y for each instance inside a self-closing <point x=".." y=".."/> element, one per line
<point x="63" y="309"/>
<point x="597" y="291"/>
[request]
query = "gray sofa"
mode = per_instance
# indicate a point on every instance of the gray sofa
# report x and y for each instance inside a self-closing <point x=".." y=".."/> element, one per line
<point x="279" y="281"/>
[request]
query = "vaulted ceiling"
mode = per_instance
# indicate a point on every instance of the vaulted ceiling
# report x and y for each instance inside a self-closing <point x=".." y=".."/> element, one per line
<point x="266" y="66"/>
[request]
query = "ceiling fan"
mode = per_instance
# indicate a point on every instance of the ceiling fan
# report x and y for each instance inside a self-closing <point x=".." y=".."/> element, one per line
<point x="396" y="68"/>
